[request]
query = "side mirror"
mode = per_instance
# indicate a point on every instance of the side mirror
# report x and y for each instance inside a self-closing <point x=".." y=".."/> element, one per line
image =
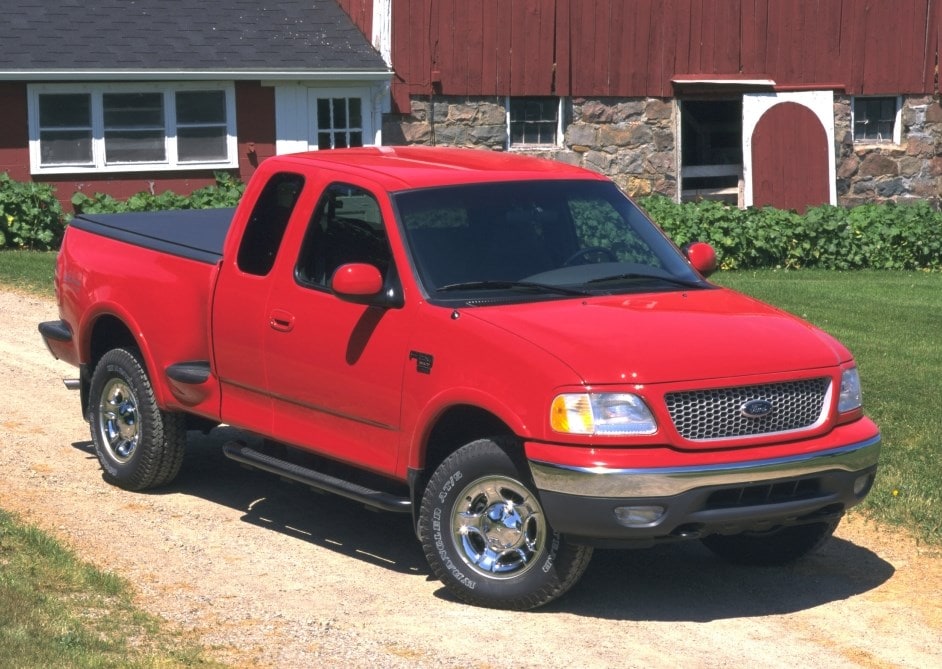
<point x="362" y="283"/>
<point x="702" y="256"/>
<point x="356" y="281"/>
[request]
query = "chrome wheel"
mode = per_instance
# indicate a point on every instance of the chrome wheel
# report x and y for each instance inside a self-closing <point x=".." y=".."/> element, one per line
<point x="499" y="527"/>
<point x="118" y="421"/>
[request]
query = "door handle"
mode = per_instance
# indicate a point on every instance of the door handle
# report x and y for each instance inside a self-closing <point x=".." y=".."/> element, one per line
<point x="281" y="320"/>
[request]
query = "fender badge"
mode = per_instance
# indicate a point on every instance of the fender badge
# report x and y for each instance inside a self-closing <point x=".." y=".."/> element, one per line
<point x="423" y="361"/>
<point x="757" y="409"/>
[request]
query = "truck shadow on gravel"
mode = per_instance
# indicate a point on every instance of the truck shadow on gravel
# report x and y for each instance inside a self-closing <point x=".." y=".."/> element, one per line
<point x="684" y="582"/>
<point x="671" y="583"/>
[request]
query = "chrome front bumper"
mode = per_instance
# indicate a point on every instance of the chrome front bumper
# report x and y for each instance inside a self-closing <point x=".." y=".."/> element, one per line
<point x="608" y="507"/>
<point x="668" y="482"/>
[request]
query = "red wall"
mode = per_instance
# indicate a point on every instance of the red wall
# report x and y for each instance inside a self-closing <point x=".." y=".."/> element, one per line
<point x="633" y="49"/>
<point x="361" y="11"/>
<point x="14" y="131"/>
<point x="255" y="118"/>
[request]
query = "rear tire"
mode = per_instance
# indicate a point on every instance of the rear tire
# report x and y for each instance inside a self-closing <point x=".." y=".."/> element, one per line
<point x="138" y="445"/>
<point x="777" y="547"/>
<point x="485" y="534"/>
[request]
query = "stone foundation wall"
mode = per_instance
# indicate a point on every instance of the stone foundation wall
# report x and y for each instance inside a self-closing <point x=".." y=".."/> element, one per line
<point x="632" y="141"/>
<point x="628" y="140"/>
<point x="911" y="170"/>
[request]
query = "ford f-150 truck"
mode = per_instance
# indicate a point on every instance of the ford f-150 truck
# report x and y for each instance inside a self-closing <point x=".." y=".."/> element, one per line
<point x="505" y="347"/>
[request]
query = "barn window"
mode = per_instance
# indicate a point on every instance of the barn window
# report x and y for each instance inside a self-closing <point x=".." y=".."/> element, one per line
<point x="131" y="127"/>
<point x="711" y="158"/>
<point x="533" y="121"/>
<point x="876" y="119"/>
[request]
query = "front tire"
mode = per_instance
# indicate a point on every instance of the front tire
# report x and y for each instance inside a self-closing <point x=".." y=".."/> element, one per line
<point x="138" y="445"/>
<point x="485" y="534"/>
<point x="776" y="547"/>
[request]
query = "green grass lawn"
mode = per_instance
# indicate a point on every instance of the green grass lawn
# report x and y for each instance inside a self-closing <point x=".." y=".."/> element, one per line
<point x="31" y="271"/>
<point x="56" y="611"/>
<point x="892" y="322"/>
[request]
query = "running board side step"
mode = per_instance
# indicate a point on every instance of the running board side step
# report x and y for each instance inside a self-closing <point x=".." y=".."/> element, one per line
<point x="376" y="499"/>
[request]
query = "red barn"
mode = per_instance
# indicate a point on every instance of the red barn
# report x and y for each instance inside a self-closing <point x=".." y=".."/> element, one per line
<point x="783" y="102"/>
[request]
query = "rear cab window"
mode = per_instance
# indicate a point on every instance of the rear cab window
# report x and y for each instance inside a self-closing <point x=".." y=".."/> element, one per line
<point x="268" y="222"/>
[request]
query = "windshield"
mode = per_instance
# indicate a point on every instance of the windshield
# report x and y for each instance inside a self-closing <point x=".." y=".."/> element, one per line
<point x="535" y="240"/>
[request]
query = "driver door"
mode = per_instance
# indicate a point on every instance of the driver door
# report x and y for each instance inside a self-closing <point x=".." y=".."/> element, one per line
<point x="335" y="368"/>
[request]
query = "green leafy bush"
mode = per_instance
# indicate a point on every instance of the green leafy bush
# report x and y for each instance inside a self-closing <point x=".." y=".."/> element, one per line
<point x="224" y="193"/>
<point x="30" y="215"/>
<point x="874" y="236"/>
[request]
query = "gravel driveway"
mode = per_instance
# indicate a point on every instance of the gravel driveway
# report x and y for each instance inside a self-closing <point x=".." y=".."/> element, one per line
<point x="272" y="574"/>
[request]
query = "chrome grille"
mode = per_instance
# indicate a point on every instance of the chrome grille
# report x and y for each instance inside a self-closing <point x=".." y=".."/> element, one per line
<point x="718" y="413"/>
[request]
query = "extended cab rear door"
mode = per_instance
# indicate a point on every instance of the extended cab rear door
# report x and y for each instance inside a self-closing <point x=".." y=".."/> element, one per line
<point x="335" y="368"/>
<point x="240" y="300"/>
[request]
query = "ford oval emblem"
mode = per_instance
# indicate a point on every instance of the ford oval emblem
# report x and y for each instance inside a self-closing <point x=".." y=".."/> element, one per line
<point x="757" y="409"/>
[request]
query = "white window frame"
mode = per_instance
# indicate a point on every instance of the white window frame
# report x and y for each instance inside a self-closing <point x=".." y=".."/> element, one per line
<point x="97" y="91"/>
<point x="315" y="94"/>
<point x="534" y="147"/>
<point x="897" y="121"/>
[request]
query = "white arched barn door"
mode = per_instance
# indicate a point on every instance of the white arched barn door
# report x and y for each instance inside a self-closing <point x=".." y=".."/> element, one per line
<point x="788" y="149"/>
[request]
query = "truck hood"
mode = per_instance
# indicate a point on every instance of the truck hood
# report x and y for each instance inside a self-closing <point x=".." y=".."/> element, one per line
<point x="668" y="337"/>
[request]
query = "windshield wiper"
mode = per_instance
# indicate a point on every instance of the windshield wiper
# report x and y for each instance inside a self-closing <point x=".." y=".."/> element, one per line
<point x="654" y="277"/>
<point x="511" y="285"/>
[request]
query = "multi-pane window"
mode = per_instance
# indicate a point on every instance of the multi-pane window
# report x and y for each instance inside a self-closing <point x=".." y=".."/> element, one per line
<point x="875" y="119"/>
<point x="339" y="123"/>
<point x="65" y="129"/>
<point x="134" y="128"/>
<point x="202" y="127"/>
<point x="534" y="121"/>
<point x="120" y="128"/>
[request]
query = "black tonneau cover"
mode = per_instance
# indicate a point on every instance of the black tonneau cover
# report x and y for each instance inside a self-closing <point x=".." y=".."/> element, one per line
<point x="197" y="234"/>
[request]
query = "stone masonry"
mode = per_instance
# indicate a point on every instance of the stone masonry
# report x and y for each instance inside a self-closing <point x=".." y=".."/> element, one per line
<point x="911" y="170"/>
<point x="628" y="140"/>
<point x="632" y="141"/>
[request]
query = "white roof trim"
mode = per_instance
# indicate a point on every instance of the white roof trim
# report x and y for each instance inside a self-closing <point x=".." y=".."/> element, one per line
<point x="724" y="81"/>
<point x="194" y="75"/>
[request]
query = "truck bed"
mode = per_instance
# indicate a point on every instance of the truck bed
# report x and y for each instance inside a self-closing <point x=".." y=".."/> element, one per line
<point x="197" y="234"/>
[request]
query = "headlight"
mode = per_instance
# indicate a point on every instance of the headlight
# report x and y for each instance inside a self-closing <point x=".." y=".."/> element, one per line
<point x="601" y="413"/>
<point x="850" y="398"/>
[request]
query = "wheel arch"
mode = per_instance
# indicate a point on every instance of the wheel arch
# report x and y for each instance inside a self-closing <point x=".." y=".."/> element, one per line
<point x="107" y="331"/>
<point x="452" y="428"/>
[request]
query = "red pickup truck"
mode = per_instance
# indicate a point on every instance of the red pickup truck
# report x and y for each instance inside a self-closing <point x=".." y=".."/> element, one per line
<point x="505" y="347"/>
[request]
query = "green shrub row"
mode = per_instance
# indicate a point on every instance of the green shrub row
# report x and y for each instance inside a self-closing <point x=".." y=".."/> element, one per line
<point x="31" y="217"/>
<point x="873" y="236"/>
<point x="884" y="236"/>
<point x="224" y="193"/>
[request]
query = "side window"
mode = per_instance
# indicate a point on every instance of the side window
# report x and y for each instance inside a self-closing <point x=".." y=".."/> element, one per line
<point x="347" y="227"/>
<point x="266" y="226"/>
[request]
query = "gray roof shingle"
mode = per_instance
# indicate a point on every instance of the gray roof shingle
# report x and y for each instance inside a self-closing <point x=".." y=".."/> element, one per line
<point x="183" y="35"/>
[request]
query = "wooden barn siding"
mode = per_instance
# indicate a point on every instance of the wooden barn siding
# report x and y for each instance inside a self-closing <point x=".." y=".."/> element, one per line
<point x="633" y="48"/>
<point x="361" y="12"/>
